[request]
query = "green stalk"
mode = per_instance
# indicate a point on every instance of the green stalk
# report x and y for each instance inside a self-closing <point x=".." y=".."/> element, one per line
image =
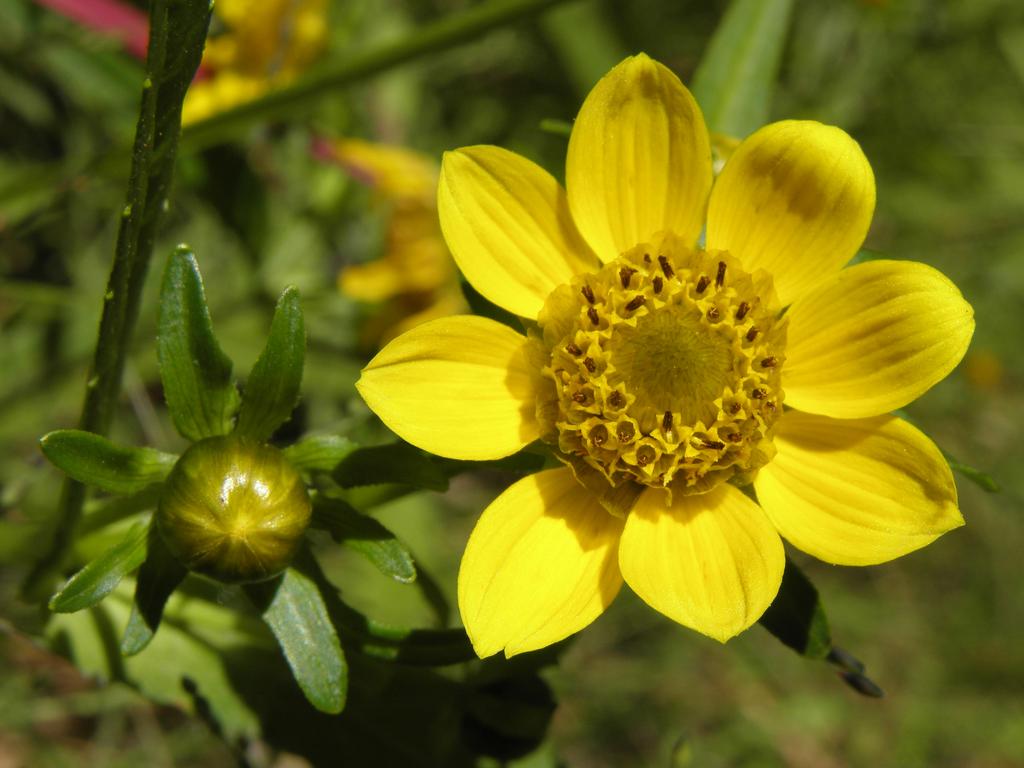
<point x="177" y="33"/>
<point x="441" y="35"/>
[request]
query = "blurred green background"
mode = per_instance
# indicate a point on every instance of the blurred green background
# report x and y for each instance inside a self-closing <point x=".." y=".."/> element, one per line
<point x="933" y="91"/>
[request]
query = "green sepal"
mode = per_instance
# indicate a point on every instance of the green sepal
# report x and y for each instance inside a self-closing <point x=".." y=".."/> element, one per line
<point x="294" y="609"/>
<point x="736" y="76"/>
<point x="852" y="672"/>
<point x="405" y="645"/>
<point x="485" y="308"/>
<point x="158" y="577"/>
<point x="433" y="596"/>
<point x="797" y="618"/>
<point x="272" y="389"/>
<point x="556" y="127"/>
<point x="393" y="463"/>
<point x="403" y="464"/>
<point x="196" y="374"/>
<point x="321" y="453"/>
<point x="981" y="479"/>
<point x="95" y="460"/>
<point x="365" y="535"/>
<point x="99" y="578"/>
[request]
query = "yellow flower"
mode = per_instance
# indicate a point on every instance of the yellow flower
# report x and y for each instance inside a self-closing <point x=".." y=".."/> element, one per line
<point x="264" y="45"/>
<point x="415" y="277"/>
<point x="658" y="363"/>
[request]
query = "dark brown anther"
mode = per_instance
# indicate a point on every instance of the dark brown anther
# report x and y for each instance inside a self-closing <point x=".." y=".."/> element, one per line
<point x="588" y="293"/>
<point x="589" y="364"/>
<point x="769" y="362"/>
<point x="592" y="314"/>
<point x="712" y="444"/>
<point x="647" y="258"/>
<point x="703" y="284"/>
<point x="643" y="458"/>
<point x="625" y="274"/>
<point x="752" y="333"/>
<point x="658" y="283"/>
<point x="615" y="399"/>
<point x="666" y="421"/>
<point x="635" y="303"/>
<point x="666" y="267"/>
<point x="579" y="397"/>
<point x="770" y="405"/>
<point x="713" y="314"/>
<point x="759" y="394"/>
<point x="742" y="310"/>
<point x="720" y="277"/>
<point x="625" y="432"/>
<point x="573" y="350"/>
<point x="734" y="437"/>
<point x="734" y="408"/>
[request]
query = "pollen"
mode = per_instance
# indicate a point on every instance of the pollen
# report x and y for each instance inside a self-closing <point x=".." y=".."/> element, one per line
<point x="665" y="371"/>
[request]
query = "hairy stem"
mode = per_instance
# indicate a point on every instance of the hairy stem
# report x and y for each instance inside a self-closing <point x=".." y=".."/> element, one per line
<point x="177" y="33"/>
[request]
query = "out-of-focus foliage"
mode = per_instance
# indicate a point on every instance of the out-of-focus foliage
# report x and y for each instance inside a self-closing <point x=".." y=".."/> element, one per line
<point x="933" y="90"/>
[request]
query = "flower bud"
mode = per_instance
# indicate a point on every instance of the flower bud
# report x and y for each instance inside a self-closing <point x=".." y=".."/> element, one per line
<point x="233" y="509"/>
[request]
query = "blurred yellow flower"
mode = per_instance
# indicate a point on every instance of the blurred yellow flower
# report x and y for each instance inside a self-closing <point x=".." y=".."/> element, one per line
<point x="415" y="278"/>
<point x="984" y="370"/>
<point x="264" y="45"/>
<point x="660" y="362"/>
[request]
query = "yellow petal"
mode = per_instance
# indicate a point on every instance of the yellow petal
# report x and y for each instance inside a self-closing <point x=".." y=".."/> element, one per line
<point x="857" y="491"/>
<point x="639" y="159"/>
<point x="712" y="562"/>
<point x="507" y="224"/>
<point x="540" y="565"/>
<point x="872" y="338"/>
<point x="459" y="387"/>
<point x="796" y="200"/>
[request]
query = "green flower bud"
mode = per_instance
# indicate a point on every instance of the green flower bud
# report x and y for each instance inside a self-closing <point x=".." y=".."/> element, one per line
<point x="233" y="509"/>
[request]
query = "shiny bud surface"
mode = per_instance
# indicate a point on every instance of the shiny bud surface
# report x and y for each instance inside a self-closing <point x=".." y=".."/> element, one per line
<point x="233" y="509"/>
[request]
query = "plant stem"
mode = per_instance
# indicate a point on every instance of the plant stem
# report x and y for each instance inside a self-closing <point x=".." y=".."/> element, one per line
<point x="177" y="33"/>
<point x="441" y="35"/>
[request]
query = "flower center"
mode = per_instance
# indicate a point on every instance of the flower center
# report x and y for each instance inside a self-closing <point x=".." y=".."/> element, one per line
<point x="665" y="368"/>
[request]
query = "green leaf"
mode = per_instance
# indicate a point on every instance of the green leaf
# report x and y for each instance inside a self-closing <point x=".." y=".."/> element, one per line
<point x="797" y="617"/>
<point x="272" y="390"/>
<point x="392" y="463"/>
<point x="96" y="580"/>
<point x="159" y="576"/>
<point x="196" y="373"/>
<point x="321" y="453"/>
<point x="206" y="658"/>
<point x="366" y="536"/>
<point x="94" y="460"/>
<point x="736" y="76"/>
<point x="295" y="612"/>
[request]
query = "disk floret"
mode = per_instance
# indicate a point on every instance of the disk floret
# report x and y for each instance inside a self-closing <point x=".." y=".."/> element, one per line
<point x="665" y="365"/>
